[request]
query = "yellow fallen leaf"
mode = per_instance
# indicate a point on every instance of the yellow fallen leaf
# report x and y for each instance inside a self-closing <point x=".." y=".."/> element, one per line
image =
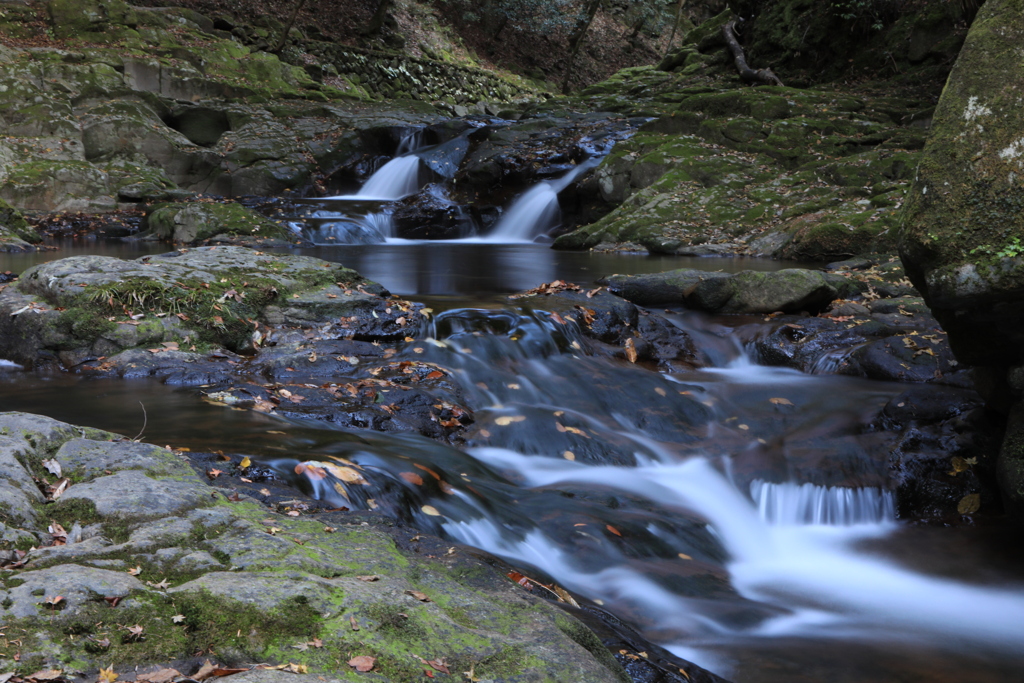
<point x="969" y="504"/>
<point x="506" y="420"/>
<point x="347" y="474"/>
<point x="781" y="401"/>
<point x="107" y="675"/>
<point x="430" y="510"/>
<point x="569" y="455"/>
<point x="246" y="462"/>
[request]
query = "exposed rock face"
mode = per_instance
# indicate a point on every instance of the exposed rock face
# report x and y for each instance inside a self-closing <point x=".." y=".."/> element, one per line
<point x="246" y="582"/>
<point x="964" y="220"/>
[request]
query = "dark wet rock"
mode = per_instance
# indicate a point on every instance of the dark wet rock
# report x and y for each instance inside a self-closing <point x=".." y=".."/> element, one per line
<point x="283" y="579"/>
<point x="789" y="291"/>
<point x="431" y="215"/>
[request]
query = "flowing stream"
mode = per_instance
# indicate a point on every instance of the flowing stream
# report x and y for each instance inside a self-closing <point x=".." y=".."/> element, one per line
<point x="740" y="516"/>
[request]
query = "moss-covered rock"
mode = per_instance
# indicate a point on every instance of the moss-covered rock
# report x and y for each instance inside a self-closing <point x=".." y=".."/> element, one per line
<point x="964" y="218"/>
<point x="83" y="307"/>
<point x="230" y="576"/>
<point x="195" y="222"/>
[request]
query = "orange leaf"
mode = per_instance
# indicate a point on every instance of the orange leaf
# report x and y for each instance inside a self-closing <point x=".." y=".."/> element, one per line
<point x="612" y="529"/>
<point x="412" y="478"/>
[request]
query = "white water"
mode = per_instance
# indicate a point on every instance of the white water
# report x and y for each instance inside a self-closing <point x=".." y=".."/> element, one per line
<point x="816" y="576"/>
<point x="396" y="179"/>
<point x="536" y="211"/>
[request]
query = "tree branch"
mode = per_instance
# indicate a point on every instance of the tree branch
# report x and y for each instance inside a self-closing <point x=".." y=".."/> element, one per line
<point x="748" y="75"/>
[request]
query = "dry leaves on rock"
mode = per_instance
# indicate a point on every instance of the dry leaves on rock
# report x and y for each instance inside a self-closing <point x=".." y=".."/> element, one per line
<point x="549" y="288"/>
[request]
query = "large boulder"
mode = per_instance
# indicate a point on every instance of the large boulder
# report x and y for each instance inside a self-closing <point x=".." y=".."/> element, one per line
<point x="964" y="218"/>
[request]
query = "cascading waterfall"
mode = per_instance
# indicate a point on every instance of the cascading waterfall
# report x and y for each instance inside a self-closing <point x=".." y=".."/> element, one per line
<point x="536" y="210"/>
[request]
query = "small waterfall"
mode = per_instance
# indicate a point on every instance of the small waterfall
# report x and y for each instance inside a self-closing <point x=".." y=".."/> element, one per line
<point x="536" y="211"/>
<point x="410" y="142"/>
<point x="398" y="178"/>
<point x="373" y="228"/>
<point x="790" y="503"/>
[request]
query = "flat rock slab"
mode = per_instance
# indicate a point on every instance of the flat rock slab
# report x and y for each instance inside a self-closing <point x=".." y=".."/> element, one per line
<point x="89" y="459"/>
<point x="132" y="494"/>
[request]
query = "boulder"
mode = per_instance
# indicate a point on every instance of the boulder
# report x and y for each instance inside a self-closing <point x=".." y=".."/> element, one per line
<point x="963" y="222"/>
<point x="791" y="290"/>
<point x="195" y="222"/>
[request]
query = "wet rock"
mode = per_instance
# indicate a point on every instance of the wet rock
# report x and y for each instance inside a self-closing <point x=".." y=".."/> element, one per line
<point x="431" y="215"/>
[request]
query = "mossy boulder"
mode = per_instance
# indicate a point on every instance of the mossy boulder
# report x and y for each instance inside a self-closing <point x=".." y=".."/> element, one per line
<point x="195" y="222"/>
<point x="80" y="308"/>
<point x="964" y="218"/>
<point x="15" y="232"/>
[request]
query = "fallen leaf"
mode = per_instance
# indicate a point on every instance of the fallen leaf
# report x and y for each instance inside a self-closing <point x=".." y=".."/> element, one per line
<point x="107" y="675"/>
<point x="969" y="504"/>
<point x="780" y="401"/>
<point x="506" y="420"/>
<point x="563" y="596"/>
<point x="630" y="349"/>
<point x="178" y="618"/>
<point x="612" y="529"/>
<point x="347" y="474"/>
<point x="412" y="478"/>
<point x="52" y="466"/>
<point x="135" y="571"/>
<point x="205" y="671"/>
<point x="422" y="597"/>
<point x="354" y="623"/>
<point x="569" y="455"/>
<point x="439" y="665"/>
<point x="362" y="663"/>
<point x="47" y="675"/>
<point x="214" y="473"/>
<point x="430" y="510"/>
<point x="135" y="632"/>
<point x="246" y="462"/>
<point x="369" y="578"/>
<point x="159" y="676"/>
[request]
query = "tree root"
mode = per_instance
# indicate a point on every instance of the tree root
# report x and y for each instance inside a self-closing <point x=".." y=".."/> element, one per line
<point x="748" y="75"/>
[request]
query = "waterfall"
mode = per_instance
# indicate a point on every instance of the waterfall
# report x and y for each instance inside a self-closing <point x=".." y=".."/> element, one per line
<point x="536" y="211"/>
<point x="398" y="178"/>
<point x="816" y="579"/>
<point x="791" y="503"/>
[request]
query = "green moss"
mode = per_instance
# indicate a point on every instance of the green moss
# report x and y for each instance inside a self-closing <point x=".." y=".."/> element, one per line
<point x="223" y="624"/>
<point x="67" y="511"/>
